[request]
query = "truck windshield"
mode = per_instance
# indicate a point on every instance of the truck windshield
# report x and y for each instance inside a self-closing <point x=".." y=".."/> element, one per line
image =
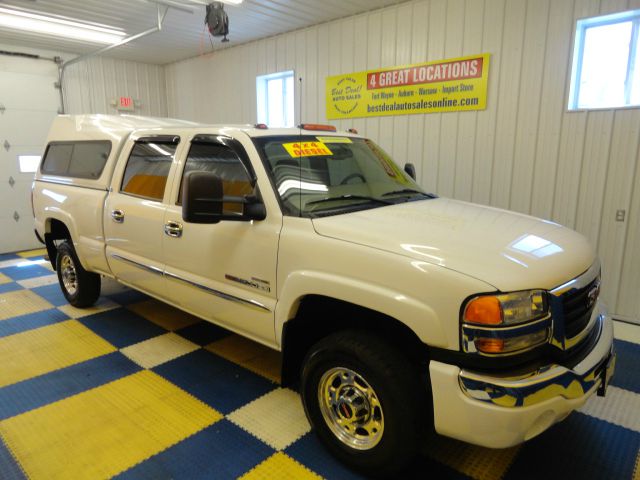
<point x="329" y="175"/>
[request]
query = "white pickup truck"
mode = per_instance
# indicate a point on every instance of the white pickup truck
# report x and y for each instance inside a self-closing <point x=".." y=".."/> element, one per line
<point x="395" y="311"/>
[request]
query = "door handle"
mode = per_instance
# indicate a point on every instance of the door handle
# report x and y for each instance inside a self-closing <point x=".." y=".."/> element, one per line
<point x="118" y="216"/>
<point x="173" y="229"/>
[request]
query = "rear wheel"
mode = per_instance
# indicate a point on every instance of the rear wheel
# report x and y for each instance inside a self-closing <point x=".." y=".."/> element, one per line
<point x="365" y="401"/>
<point x="80" y="288"/>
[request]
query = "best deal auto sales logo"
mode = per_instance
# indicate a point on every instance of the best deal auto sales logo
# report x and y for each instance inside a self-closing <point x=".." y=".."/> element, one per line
<point x="346" y="95"/>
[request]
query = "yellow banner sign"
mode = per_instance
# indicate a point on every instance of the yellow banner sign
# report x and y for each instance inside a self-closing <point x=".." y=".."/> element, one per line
<point x="445" y="86"/>
<point x="307" y="149"/>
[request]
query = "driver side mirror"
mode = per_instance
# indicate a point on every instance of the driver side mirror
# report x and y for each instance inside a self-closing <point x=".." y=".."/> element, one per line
<point x="203" y="199"/>
<point x="410" y="169"/>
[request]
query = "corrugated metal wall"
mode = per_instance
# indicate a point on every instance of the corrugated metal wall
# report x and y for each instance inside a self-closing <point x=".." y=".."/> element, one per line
<point x="525" y="152"/>
<point x="90" y="86"/>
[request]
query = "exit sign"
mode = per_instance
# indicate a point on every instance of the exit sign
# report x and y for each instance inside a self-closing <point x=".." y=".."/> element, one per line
<point x="125" y="104"/>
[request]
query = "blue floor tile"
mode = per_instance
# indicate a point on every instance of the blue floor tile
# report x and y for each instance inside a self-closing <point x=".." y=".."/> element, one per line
<point x="52" y="294"/>
<point x="219" y="383"/>
<point x="128" y="297"/>
<point x="221" y="451"/>
<point x="9" y="469"/>
<point x="24" y="272"/>
<point x="8" y="256"/>
<point x="581" y="447"/>
<point x="23" y="323"/>
<point x="203" y="333"/>
<point x="122" y="327"/>
<point x="10" y="287"/>
<point x="51" y="387"/>
<point x="627" y="374"/>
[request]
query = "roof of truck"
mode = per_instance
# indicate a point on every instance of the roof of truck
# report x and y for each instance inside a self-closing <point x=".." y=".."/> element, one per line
<point x="116" y="127"/>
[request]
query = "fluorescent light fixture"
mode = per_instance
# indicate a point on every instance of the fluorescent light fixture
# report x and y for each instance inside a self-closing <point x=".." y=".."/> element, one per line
<point x="60" y="27"/>
<point x="29" y="163"/>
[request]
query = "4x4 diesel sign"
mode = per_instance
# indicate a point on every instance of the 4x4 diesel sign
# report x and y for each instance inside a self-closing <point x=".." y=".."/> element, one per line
<point x="444" y="86"/>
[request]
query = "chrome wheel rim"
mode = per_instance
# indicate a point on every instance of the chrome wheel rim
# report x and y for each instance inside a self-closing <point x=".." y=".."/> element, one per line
<point x="351" y="408"/>
<point x="68" y="274"/>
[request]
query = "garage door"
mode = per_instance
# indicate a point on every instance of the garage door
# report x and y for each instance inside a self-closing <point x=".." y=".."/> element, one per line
<point x="28" y="104"/>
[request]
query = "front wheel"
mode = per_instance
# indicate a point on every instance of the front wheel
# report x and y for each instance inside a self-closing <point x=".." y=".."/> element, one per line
<point x="80" y="287"/>
<point x="365" y="401"/>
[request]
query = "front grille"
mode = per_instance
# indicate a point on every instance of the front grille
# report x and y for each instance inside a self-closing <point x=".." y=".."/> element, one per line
<point x="577" y="306"/>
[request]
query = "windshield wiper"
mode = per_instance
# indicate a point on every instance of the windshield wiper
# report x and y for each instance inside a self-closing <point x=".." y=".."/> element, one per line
<point x="407" y="191"/>
<point x="350" y="197"/>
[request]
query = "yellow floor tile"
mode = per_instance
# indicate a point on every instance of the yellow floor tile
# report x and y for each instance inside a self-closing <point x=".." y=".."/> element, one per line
<point x="249" y="354"/>
<point x="159" y="350"/>
<point x="476" y="462"/>
<point x="33" y="253"/>
<point x="282" y="467"/>
<point x="102" y="432"/>
<point x="102" y="305"/>
<point x="36" y="352"/>
<point x="636" y="472"/>
<point x="276" y="418"/>
<point x="166" y="316"/>
<point x="4" y="279"/>
<point x="21" y="302"/>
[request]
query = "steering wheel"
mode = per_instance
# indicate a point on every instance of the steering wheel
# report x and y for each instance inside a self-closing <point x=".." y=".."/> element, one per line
<point x="346" y="179"/>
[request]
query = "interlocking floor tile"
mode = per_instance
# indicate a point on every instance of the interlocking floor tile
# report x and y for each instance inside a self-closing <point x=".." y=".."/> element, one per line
<point x="203" y="332"/>
<point x="627" y="374"/>
<point x="122" y="327"/>
<point x="104" y="431"/>
<point x="620" y="407"/>
<point x="39" y="281"/>
<point x="578" y="447"/>
<point x="217" y="382"/>
<point x="40" y="252"/>
<point x="53" y="295"/>
<point x="21" y="302"/>
<point x="22" y="323"/>
<point x="159" y="350"/>
<point x="26" y="269"/>
<point x="10" y="287"/>
<point x="43" y="350"/>
<point x="65" y="382"/>
<point x="4" y="279"/>
<point x="249" y="354"/>
<point x="168" y="317"/>
<point x="276" y="418"/>
<point x="222" y="451"/>
<point x="102" y="305"/>
<point x="282" y="467"/>
<point x="9" y="468"/>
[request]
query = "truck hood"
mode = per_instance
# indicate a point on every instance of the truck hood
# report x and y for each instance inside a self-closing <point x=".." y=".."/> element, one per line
<point x="508" y="250"/>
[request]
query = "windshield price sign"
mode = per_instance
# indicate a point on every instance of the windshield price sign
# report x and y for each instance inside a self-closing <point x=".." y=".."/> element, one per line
<point x="451" y="85"/>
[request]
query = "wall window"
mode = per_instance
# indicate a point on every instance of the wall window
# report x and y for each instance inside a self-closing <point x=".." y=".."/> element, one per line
<point x="28" y="163"/>
<point x="606" y="62"/>
<point x="276" y="99"/>
<point x="148" y="167"/>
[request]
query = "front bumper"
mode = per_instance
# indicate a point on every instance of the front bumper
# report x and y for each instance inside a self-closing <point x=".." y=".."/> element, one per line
<point x="500" y="412"/>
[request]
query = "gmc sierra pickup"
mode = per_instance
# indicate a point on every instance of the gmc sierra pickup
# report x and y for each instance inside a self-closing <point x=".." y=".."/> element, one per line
<point x="396" y="311"/>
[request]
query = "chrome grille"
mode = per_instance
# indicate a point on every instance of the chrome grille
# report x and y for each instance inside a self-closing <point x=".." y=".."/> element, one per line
<point x="577" y="307"/>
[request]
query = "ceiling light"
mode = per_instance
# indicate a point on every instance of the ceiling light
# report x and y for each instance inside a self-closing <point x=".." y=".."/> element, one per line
<point x="35" y="23"/>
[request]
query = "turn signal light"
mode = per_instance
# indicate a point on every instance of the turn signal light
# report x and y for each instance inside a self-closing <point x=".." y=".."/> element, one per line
<point x="484" y="310"/>
<point x="490" y="345"/>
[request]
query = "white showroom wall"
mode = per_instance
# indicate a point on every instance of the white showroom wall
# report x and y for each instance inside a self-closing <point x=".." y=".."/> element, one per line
<point x="524" y="152"/>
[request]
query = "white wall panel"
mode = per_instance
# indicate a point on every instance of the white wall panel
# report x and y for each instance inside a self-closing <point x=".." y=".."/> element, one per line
<point x="524" y="152"/>
<point x="91" y="85"/>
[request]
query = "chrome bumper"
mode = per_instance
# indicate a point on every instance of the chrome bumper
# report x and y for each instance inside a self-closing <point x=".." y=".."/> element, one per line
<point x="593" y="372"/>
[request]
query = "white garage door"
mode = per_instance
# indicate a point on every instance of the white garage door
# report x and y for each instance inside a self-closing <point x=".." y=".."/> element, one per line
<point x="28" y="104"/>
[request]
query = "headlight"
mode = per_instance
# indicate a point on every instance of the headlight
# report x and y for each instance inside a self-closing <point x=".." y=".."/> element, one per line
<point x="506" y="309"/>
<point x="506" y="323"/>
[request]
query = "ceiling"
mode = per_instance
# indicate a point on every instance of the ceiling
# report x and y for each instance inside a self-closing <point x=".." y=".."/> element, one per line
<point x="183" y="35"/>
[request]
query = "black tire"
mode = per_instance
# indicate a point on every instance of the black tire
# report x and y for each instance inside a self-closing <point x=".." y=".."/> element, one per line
<point x="80" y="288"/>
<point x="397" y="389"/>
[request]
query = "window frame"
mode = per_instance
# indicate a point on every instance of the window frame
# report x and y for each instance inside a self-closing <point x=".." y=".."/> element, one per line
<point x="160" y="139"/>
<point x="262" y="97"/>
<point x="42" y="172"/>
<point x="582" y="25"/>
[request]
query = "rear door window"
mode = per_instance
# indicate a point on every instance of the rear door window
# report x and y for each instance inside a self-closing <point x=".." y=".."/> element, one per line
<point x="148" y="167"/>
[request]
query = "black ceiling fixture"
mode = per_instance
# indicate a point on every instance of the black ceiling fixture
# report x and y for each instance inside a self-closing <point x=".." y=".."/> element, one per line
<point x="217" y="20"/>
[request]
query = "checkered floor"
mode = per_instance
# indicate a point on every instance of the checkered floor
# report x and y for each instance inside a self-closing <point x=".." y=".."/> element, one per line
<point x="135" y="389"/>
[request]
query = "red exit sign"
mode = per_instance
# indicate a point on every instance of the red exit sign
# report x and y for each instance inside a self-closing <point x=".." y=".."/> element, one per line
<point x="126" y="103"/>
